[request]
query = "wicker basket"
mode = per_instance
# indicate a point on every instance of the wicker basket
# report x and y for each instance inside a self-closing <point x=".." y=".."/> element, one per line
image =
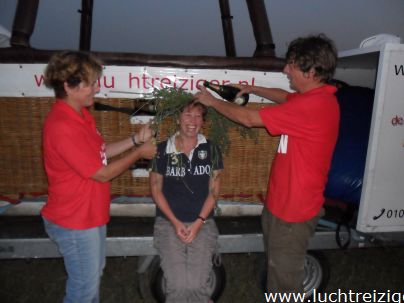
<point x="245" y="176"/>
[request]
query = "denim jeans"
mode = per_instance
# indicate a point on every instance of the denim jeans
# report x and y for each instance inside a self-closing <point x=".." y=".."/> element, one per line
<point x="83" y="253"/>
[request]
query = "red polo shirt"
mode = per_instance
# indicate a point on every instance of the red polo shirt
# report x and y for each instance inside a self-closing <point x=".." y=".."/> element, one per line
<point x="309" y="124"/>
<point x="73" y="151"/>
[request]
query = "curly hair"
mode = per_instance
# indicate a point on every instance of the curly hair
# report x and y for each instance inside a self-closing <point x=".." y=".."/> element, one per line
<point x="71" y="67"/>
<point x="317" y="52"/>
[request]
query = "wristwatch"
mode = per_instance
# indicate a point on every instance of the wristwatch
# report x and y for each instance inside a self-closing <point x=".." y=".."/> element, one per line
<point x="202" y="218"/>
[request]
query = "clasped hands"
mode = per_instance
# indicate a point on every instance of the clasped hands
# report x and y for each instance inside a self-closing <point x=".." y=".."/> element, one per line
<point x="187" y="233"/>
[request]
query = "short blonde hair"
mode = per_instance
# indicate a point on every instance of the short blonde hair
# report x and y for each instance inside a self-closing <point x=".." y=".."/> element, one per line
<point x="72" y="67"/>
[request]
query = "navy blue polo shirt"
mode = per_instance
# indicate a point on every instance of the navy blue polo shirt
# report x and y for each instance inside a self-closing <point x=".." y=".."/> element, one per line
<point x="186" y="180"/>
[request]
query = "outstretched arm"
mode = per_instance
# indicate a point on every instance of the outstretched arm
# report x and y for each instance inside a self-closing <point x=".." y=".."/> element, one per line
<point x="116" y="148"/>
<point x="248" y="117"/>
<point x="117" y="167"/>
<point x="276" y="95"/>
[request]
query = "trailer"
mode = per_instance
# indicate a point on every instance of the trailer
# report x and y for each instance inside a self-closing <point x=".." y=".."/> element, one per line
<point x="376" y="218"/>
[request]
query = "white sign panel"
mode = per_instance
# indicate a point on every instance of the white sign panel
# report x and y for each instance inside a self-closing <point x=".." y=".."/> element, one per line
<point x="382" y="200"/>
<point x="26" y="80"/>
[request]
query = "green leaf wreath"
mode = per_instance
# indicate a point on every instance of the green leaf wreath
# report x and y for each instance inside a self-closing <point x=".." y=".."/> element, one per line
<point x="168" y="104"/>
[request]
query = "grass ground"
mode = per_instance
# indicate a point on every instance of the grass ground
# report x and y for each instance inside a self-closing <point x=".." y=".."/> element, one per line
<point x="42" y="280"/>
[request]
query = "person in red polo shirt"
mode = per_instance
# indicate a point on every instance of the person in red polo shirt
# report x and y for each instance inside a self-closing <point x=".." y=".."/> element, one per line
<point x="76" y="163"/>
<point x="308" y="122"/>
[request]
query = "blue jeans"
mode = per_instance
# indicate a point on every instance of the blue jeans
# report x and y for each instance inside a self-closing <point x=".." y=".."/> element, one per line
<point x="83" y="253"/>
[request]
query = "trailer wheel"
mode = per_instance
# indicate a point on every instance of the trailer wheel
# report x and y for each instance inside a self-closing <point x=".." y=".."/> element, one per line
<point x="156" y="282"/>
<point x="316" y="272"/>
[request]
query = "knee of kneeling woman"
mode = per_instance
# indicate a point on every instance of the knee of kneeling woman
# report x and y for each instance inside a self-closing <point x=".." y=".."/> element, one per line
<point x="186" y="290"/>
<point x="176" y="285"/>
<point x="198" y="289"/>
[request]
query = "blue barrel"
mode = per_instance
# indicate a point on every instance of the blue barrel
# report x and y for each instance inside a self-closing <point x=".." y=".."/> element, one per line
<point x="345" y="178"/>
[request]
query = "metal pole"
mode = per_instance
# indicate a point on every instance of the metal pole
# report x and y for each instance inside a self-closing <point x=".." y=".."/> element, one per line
<point x="24" y="22"/>
<point x="227" y="28"/>
<point x="86" y="24"/>
<point x="262" y="32"/>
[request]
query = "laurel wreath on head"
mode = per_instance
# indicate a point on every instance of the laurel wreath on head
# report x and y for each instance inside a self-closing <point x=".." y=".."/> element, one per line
<point x="170" y="101"/>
